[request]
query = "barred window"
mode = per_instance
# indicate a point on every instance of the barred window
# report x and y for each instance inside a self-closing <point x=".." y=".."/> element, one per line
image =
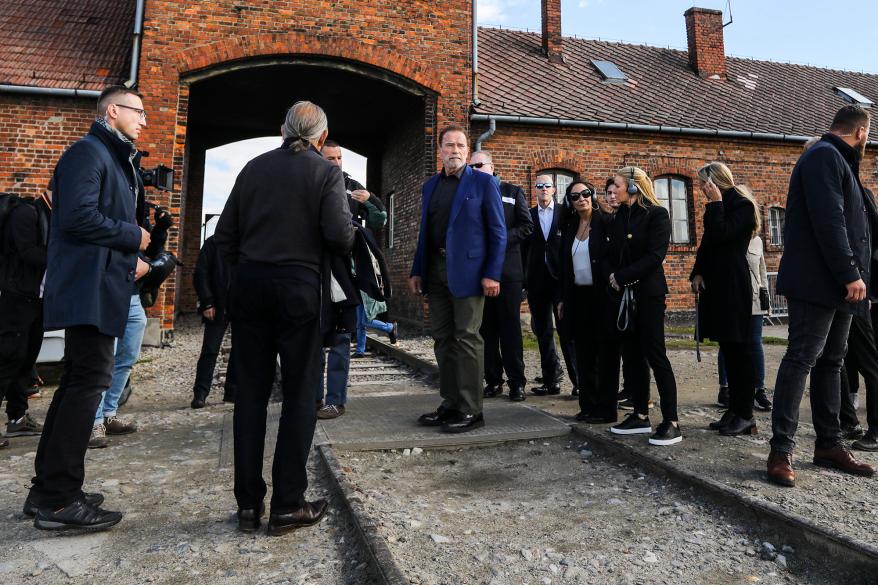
<point x="776" y="218"/>
<point x="673" y="193"/>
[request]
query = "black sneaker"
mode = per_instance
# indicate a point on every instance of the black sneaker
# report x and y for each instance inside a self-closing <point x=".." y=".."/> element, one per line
<point x="666" y="434"/>
<point x="30" y="509"/>
<point x="761" y="401"/>
<point x="24" y="427"/>
<point x="722" y="398"/>
<point x="632" y="425"/>
<point x="869" y="442"/>
<point x="852" y="432"/>
<point x="393" y="336"/>
<point x="76" y="516"/>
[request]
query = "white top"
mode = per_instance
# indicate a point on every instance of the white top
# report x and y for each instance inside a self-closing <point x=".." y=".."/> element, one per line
<point x="581" y="263"/>
<point x="545" y="216"/>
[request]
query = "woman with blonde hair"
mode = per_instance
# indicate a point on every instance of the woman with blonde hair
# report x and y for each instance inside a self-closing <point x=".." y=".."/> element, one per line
<point x="636" y="245"/>
<point x="721" y="278"/>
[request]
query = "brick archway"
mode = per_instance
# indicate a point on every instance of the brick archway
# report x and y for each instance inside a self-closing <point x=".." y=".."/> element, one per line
<point x="277" y="45"/>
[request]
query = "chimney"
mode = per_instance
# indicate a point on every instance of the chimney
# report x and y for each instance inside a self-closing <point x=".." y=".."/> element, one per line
<point x="552" y="30"/>
<point x="704" y="33"/>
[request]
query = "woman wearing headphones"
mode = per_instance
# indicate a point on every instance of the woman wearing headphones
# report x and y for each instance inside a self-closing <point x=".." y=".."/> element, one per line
<point x="721" y="277"/>
<point x="636" y="245"/>
<point x="582" y="238"/>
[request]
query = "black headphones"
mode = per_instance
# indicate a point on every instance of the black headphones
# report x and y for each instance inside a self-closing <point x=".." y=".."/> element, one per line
<point x="589" y="193"/>
<point x="632" y="186"/>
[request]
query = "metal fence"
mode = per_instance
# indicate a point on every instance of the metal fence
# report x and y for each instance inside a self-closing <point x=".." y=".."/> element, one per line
<point x="778" y="303"/>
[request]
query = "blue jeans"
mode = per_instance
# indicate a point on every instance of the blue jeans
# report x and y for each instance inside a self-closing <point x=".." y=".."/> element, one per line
<point x="337" y="371"/>
<point x="758" y="355"/>
<point x="362" y="324"/>
<point x="127" y="352"/>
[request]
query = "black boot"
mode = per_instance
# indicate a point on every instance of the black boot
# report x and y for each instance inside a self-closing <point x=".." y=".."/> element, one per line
<point x="723" y="421"/>
<point x="199" y="400"/>
<point x="739" y="426"/>
<point x="516" y="393"/>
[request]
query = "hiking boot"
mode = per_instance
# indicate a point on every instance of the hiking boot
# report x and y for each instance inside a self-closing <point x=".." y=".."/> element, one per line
<point x="330" y="411"/>
<point x="98" y="438"/>
<point x="26" y="426"/>
<point x="116" y="426"/>
<point x="393" y="335"/>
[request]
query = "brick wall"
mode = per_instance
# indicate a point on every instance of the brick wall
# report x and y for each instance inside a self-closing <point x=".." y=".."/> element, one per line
<point x="34" y="133"/>
<point x="704" y="34"/>
<point x="521" y="151"/>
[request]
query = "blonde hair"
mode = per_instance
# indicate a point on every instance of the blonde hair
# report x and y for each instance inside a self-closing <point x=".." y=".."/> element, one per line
<point x="642" y="181"/>
<point x="721" y="176"/>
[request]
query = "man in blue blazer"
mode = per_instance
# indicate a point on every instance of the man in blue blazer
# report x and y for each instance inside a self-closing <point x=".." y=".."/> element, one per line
<point x="92" y="266"/>
<point x="458" y="262"/>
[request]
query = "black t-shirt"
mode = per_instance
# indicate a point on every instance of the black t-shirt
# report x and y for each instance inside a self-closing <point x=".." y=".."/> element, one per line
<point x="439" y="212"/>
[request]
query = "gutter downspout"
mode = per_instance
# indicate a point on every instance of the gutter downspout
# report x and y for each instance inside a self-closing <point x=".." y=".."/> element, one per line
<point x="90" y="93"/>
<point x="492" y="127"/>
<point x="476" y="101"/>
<point x="491" y="118"/>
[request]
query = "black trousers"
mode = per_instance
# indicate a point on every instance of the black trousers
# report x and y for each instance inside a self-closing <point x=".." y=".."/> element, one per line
<point x="861" y="358"/>
<point x="60" y="460"/>
<point x="501" y="330"/>
<point x="542" y="312"/>
<point x="741" y="375"/>
<point x="275" y="310"/>
<point x="21" y="336"/>
<point x="214" y="331"/>
<point x="581" y="316"/>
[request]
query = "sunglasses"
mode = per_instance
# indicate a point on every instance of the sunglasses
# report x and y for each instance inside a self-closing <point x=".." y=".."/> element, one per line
<point x="584" y="194"/>
<point x="478" y="165"/>
<point x="544" y="185"/>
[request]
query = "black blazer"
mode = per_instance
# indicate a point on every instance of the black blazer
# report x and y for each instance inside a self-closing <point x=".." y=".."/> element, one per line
<point x="519" y="227"/>
<point x="827" y="236"/>
<point x="637" y="242"/>
<point x="541" y="255"/>
<point x="212" y="278"/>
<point x="596" y="249"/>
<point x="726" y="304"/>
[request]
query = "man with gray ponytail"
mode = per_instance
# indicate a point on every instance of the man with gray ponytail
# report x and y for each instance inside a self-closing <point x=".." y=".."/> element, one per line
<point x="288" y="207"/>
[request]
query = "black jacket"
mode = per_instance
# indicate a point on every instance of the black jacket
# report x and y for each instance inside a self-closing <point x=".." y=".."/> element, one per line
<point x="360" y="211"/>
<point x="541" y="255"/>
<point x="726" y="304"/>
<point x="597" y="246"/>
<point x="286" y="209"/>
<point x="94" y="237"/>
<point x="637" y="242"/>
<point x="519" y="227"/>
<point x="212" y="278"/>
<point x="25" y="245"/>
<point x="827" y="234"/>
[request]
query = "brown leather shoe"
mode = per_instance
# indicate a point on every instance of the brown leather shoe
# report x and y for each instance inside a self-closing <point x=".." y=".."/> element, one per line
<point x="308" y="515"/>
<point x="780" y="469"/>
<point x="117" y="426"/>
<point x="840" y="458"/>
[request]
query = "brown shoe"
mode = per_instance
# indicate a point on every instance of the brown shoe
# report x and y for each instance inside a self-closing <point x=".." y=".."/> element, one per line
<point x="117" y="426"/>
<point x="308" y="515"/>
<point x="840" y="458"/>
<point x="330" y="411"/>
<point x="780" y="469"/>
<point x="98" y="439"/>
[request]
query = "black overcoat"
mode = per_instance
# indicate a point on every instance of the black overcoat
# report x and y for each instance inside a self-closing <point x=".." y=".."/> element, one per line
<point x="726" y="303"/>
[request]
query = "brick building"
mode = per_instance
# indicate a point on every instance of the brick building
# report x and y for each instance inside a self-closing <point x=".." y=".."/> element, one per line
<point x="389" y="75"/>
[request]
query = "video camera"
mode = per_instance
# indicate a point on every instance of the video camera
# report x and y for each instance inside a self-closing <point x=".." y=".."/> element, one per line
<point x="160" y="177"/>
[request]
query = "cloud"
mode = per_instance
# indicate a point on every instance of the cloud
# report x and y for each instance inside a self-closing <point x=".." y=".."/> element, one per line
<point x="223" y="165"/>
<point x="492" y="11"/>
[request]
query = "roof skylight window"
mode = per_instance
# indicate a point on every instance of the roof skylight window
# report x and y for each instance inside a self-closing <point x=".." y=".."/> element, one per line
<point x="853" y="96"/>
<point x="609" y="71"/>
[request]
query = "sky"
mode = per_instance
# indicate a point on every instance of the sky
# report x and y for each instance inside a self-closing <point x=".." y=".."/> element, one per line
<point x="838" y="34"/>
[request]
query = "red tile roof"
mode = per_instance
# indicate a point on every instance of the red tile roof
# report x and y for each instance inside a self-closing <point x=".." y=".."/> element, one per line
<point x="77" y="44"/>
<point x="758" y="96"/>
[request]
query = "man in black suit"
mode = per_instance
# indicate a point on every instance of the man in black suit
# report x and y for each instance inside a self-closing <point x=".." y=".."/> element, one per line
<point x="501" y="319"/>
<point x="543" y="291"/>
<point x="824" y="274"/>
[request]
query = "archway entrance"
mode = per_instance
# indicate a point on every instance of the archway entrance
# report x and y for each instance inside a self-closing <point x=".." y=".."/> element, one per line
<point x="384" y="117"/>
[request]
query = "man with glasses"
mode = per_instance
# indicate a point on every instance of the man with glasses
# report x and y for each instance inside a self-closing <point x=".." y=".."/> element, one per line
<point x="93" y="263"/>
<point x="541" y="252"/>
<point x="501" y="320"/>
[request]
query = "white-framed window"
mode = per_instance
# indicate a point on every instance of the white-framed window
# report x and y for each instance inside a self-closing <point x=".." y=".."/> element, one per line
<point x="673" y="193"/>
<point x="776" y="218"/>
<point x="561" y="179"/>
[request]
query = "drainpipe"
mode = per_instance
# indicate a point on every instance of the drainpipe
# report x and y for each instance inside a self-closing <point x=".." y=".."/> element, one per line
<point x="135" y="44"/>
<point x="90" y="93"/>
<point x="476" y="101"/>
<point x="492" y="127"/>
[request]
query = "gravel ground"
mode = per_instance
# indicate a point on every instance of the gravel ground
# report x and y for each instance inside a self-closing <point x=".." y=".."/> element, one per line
<point x="552" y="512"/>
<point x="179" y="523"/>
<point x="838" y="501"/>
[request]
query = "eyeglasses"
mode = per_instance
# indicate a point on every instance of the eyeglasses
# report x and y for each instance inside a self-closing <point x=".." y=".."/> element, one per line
<point x="141" y="113"/>
<point x="576" y="195"/>
<point x="544" y="185"/>
<point x="479" y="165"/>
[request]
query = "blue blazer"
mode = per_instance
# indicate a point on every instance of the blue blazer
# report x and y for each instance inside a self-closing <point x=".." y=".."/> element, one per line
<point x="93" y="238"/>
<point x="475" y="242"/>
